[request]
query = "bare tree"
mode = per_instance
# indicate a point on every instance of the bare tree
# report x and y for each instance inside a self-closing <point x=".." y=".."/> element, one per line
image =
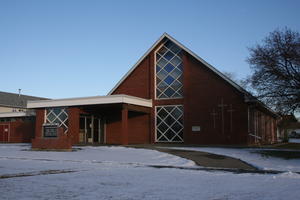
<point x="245" y="83"/>
<point x="276" y="70"/>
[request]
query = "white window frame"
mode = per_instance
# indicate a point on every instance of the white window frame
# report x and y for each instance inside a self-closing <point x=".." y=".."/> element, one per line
<point x="176" y="120"/>
<point x="62" y="123"/>
<point x="155" y="88"/>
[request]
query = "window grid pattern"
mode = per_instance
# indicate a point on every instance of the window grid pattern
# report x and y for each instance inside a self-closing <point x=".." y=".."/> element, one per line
<point x="169" y="71"/>
<point x="58" y="116"/>
<point x="169" y="123"/>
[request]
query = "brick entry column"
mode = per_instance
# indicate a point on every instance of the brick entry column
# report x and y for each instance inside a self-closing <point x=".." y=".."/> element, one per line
<point x="124" y="125"/>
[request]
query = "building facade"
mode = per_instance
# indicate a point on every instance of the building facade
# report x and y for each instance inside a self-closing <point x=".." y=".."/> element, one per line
<point x="170" y="96"/>
<point x="16" y="121"/>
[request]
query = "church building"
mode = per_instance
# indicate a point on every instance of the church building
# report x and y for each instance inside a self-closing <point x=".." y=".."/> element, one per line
<point x="170" y="95"/>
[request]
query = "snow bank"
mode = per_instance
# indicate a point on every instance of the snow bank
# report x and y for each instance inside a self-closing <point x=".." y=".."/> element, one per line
<point x="87" y="155"/>
<point x="119" y="173"/>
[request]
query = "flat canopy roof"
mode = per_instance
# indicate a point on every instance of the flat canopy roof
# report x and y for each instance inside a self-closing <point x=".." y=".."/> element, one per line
<point x="96" y="100"/>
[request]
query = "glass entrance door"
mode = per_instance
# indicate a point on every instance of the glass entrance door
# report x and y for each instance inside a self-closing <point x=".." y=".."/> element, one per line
<point x="95" y="129"/>
<point x="91" y="129"/>
<point x="82" y="130"/>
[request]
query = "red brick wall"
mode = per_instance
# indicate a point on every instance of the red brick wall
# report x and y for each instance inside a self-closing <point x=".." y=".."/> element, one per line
<point x="63" y="142"/>
<point x="262" y="125"/>
<point x="138" y="128"/>
<point x="203" y="91"/>
<point x="113" y="133"/>
<point x="20" y="131"/>
<point x="39" y="121"/>
<point x="73" y="124"/>
<point x="137" y="84"/>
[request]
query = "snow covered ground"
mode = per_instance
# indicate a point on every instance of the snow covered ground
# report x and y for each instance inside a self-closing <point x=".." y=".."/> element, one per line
<point x="294" y="140"/>
<point x="124" y="173"/>
<point x="254" y="157"/>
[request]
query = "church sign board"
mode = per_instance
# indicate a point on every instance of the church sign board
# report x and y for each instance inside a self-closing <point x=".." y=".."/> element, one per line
<point x="50" y="130"/>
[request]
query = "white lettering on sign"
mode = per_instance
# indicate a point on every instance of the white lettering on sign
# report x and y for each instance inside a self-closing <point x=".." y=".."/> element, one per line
<point x="50" y="130"/>
<point x="195" y="128"/>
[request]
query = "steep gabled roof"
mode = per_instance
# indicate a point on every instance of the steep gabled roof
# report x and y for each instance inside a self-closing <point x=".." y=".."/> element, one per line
<point x="165" y="35"/>
<point x="15" y="100"/>
<point x="248" y="97"/>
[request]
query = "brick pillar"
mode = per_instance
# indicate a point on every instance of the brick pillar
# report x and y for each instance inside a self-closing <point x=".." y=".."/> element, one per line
<point x="151" y="96"/>
<point x="124" y="125"/>
<point x="73" y="124"/>
<point x="39" y="121"/>
<point x="186" y="96"/>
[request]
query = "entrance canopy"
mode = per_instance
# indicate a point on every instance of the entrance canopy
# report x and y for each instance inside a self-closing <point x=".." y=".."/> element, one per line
<point x="97" y="100"/>
<point x="83" y="119"/>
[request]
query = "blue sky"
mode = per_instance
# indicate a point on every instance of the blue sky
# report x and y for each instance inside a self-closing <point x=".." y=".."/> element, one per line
<point x="61" y="48"/>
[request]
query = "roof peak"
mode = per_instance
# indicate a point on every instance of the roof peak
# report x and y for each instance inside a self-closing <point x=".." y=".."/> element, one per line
<point x="166" y="35"/>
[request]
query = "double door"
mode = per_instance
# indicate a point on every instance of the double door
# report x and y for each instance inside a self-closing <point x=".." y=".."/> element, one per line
<point x="91" y="129"/>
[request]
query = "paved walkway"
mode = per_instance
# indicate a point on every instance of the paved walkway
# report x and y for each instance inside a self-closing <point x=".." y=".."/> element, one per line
<point x="204" y="159"/>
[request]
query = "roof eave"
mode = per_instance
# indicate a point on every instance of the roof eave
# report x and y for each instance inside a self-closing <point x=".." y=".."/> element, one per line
<point x="96" y="100"/>
<point x="254" y="100"/>
<point x="17" y="114"/>
<point x="12" y="106"/>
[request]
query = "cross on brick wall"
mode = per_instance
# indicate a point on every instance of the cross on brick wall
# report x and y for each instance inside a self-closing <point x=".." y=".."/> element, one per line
<point x="222" y="106"/>
<point x="230" y="110"/>
<point x="214" y="114"/>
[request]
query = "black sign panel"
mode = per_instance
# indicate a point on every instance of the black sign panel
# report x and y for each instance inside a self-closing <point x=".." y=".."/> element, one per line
<point x="50" y="130"/>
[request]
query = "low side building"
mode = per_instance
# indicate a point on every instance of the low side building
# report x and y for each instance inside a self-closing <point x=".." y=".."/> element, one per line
<point x="16" y="121"/>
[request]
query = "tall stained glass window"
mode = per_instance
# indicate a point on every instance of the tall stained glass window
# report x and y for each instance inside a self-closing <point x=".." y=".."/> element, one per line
<point x="169" y="71"/>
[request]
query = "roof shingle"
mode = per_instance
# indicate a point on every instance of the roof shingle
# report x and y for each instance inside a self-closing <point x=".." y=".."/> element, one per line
<point x="16" y="100"/>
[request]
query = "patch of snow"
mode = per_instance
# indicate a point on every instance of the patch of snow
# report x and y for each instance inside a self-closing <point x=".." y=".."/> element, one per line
<point x="294" y="140"/>
<point x="119" y="173"/>
<point x="150" y="184"/>
<point x="289" y="175"/>
<point x="89" y="154"/>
